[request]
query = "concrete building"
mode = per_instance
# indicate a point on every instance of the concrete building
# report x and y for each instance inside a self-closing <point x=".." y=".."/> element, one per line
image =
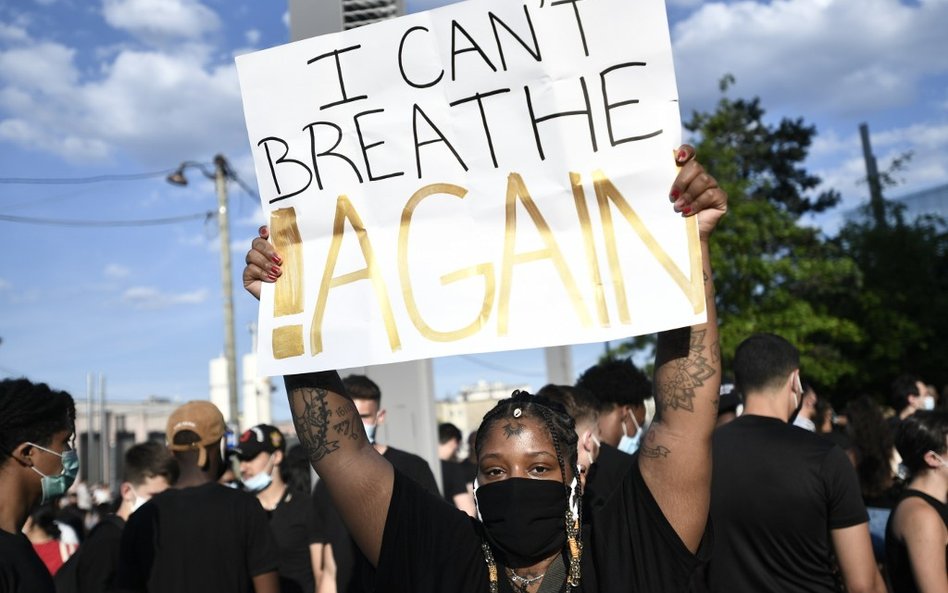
<point x="467" y="409"/>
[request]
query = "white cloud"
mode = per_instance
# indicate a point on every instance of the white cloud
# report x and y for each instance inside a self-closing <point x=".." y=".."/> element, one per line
<point x="116" y="271"/>
<point x="823" y="56"/>
<point x="157" y="20"/>
<point x="4" y="285"/>
<point x="161" y="107"/>
<point x="252" y="36"/>
<point x="12" y="33"/>
<point x="146" y="297"/>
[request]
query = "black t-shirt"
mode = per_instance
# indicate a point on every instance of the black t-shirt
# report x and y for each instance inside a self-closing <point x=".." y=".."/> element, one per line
<point x="92" y="568"/>
<point x="777" y="491"/>
<point x="21" y="570"/>
<point x="203" y="539"/>
<point x="897" y="564"/>
<point x="354" y="573"/>
<point x="454" y="479"/>
<point x="294" y="528"/>
<point x="431" y="547"/>
<point x="605" y="476"/>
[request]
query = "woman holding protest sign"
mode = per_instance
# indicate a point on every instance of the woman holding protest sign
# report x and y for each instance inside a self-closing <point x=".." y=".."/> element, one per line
<point x="531" y="536"/>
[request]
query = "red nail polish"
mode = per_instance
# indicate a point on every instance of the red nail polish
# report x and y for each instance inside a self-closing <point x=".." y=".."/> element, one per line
<point x="675" y="194"/>
<point x="276" y="259"/>
<point x="271" y="277"/>
<point x="686" y="210"/>
<point x="682" y="155"/>
<point x="274" y="270"/>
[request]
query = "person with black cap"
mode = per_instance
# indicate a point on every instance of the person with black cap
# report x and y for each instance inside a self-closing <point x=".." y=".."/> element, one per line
<point x="281" y="484"/>
<point x="200" y="536"/>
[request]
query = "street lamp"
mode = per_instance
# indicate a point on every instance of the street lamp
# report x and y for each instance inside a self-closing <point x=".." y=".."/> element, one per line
<point x="221" y="173"/>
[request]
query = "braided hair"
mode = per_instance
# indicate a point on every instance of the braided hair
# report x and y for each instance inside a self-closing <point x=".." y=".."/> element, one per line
<point x="562" y="430"/>
<point x="32" y="412"/>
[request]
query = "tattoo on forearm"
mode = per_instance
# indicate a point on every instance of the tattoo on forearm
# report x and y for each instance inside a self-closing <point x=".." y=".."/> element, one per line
<point x="511" y="429"/>
<point x="311" y="416"/>
<point x="689" y="372"/>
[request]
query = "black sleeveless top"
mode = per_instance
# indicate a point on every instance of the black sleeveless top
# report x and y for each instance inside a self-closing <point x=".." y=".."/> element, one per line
<point x="897" y="563"/>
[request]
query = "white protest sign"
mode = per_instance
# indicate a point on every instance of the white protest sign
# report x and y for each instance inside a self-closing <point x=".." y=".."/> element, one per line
<point x="491" y="175"/>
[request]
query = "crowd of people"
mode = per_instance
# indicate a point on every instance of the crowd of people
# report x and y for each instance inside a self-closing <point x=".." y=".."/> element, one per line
<point x="619" y="482"/>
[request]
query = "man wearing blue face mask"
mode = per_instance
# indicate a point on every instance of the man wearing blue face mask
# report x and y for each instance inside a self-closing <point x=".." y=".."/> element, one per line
<point x="37" y="464"/>
<point x="622" y="391"/>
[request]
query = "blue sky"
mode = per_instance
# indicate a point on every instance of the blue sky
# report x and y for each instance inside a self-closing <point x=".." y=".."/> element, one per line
<point x="119" y="87"/>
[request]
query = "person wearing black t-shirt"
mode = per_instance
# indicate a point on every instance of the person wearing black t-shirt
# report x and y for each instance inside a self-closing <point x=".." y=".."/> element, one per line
<point x="149" y="469"/>
<point x="916" y="536"/>
<point x="281" y="485"/>
<point x="454" y="484"/>
<point x="37" y="465"/>
<point x="532" y="537"/>
<point x="783" y="500"/>
<point x="200" y="536"/>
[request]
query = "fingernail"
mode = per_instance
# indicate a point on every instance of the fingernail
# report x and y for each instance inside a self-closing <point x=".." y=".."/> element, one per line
<point x="679" y="205"/>
<point x="274" y="270"/>
<point x="682" y="155"/>
<point x="675" y="194"/>
<point x="271" y="277"/>
<point x="276" y="259"/>
<point x="261" y="230"/>
<point x="686" y="210"/>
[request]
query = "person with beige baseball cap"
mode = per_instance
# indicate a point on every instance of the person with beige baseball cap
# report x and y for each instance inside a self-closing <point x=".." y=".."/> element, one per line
<point x="200" y="419"/>
<point x="200" y="536"/>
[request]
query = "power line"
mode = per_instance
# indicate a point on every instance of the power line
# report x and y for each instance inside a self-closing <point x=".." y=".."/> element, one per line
<point x="107" y="223"/>
<point x="78" y="180"/>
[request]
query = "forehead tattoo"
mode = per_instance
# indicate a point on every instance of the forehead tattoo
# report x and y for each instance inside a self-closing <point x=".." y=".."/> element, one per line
<point x="513" y="429"/>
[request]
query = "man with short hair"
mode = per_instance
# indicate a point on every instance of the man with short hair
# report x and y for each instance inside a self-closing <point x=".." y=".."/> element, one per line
<point x="908" y="395"/>
<point x="622" y="391"/>
<point x="783" y="500"/>
<point x="457" y="490"/>
<point x="149" y="469"/>
<point x="200" y="536"/>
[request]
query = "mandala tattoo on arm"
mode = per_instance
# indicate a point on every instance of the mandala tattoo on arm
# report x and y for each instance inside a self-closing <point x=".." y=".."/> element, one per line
<point x="511" y="429"/>
<point x="311" y="416"/>
<point x="678" y="389"/>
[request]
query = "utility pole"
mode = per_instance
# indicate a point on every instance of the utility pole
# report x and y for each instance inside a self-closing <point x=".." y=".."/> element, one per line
<point x="221" y="173"/>
<point x="876" y="202"/>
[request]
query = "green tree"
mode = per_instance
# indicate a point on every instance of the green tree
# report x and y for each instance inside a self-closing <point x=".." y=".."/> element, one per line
<point x="900" y="301"/>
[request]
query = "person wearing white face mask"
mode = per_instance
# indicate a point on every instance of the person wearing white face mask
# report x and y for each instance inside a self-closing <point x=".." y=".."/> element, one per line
<point x="917" y="532"/>
<point x="908" y="394"/>
<point x="148" y="470"/>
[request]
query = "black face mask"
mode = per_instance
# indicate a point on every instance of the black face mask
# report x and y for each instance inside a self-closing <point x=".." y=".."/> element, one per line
<point x="525" y="519"/>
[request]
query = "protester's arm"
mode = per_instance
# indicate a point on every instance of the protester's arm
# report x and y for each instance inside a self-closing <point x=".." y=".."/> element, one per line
<point x="675" y="458"/>
<point x="924" y="534"/>
<point x="328" y="582"/>
<point x="853" y="547"/>
<point x="267" y="582"/>
<point x="328" y="425"/>
<point x="316" y="559"/>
